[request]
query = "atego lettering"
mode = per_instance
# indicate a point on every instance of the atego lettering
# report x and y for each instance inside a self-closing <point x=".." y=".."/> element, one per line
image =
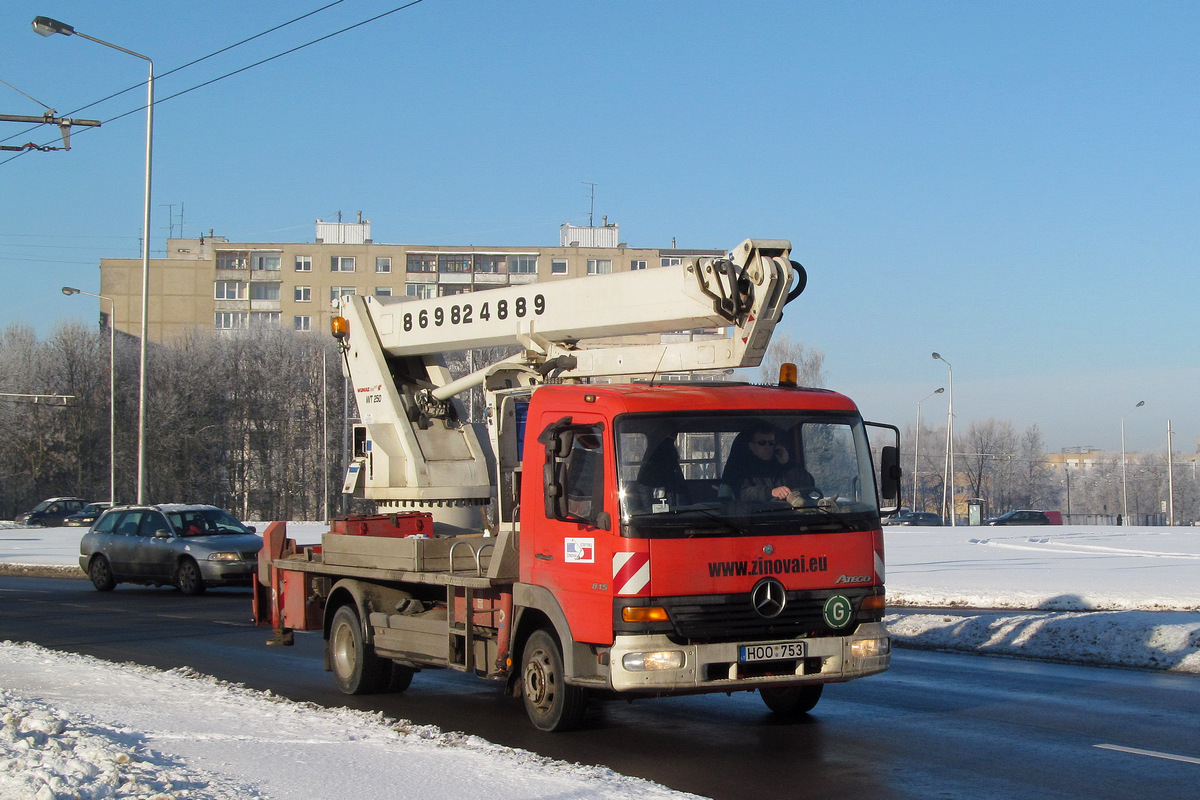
<point x="767" y="566"/>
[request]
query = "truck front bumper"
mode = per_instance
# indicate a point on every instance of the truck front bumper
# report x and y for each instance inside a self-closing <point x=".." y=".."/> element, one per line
<point x="654" y="664"/>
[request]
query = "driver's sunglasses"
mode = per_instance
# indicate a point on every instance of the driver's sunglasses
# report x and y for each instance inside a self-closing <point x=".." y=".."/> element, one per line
<point x="765" y="442"/>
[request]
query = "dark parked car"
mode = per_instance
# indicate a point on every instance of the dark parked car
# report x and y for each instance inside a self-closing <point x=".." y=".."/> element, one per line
<point x="90" y="513"/>
<point x="1020" y="517"/>
<point x="925" y="518"/>
<point x="187" y="546"/>
<point x="51" y="513"/>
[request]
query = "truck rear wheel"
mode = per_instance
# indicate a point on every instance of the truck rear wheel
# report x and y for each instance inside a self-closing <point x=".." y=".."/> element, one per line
<point x="356" y="668"/>
<point x="551" y="703"/>
<point x="792" y="701"/>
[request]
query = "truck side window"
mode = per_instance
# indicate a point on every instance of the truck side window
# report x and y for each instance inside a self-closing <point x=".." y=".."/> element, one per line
<point x="574" y="473"/>
<point x="585" y="475"/>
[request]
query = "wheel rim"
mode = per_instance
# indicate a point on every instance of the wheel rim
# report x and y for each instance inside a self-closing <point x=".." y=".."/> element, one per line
<point x="540" y="681"/>
<point x="100" y="572"/>
<point x="189" y="576"/>
<point x="341" y="648"/>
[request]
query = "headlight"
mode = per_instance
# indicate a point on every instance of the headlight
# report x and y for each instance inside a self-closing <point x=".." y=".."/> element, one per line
<point x="224" y="557"/>
<point x="870" y="648"/>
<point x="662" y="659"/>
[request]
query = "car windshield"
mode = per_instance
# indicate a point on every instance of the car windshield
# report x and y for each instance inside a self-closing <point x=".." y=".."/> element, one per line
<point x="205" y="522"/>
<point x="727" y="474"/>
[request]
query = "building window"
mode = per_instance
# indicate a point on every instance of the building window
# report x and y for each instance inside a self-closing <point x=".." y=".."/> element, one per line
<point x="421" y="291"/>
<point x="421" y="262"/>
<point x="233" y="259"/>
<point x="266" y="261"/>
<point x="635" y="265"/>
<point x="383" y="264"/>
<point x="338" y="291"/>
<point x="303" y="263"/>
<point x="450" y="289"/>
<point x="599" y="266"/>
<point x="264" y="319"/>
<point x="522" y="265"/>
<point x="383" y="291"/>
<point x="302" y="323"/>
<point x="264" y="291"/>
<point x="669" y="261"/>
<point x="489" y="263"/>
<point x="229" y="290"/>
<point x="558" y="266"/>
<point x="231" y="320"/>
<point x="454" y="262"/>
<point x="341" y="263"/>
<point x="302" y="294"/>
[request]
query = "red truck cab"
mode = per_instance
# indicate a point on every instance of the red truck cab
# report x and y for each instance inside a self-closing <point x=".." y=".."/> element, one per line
<point x="676" y="572"/>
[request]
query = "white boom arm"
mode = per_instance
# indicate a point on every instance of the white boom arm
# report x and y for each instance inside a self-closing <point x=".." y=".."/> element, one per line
<point x="394" y="345"/>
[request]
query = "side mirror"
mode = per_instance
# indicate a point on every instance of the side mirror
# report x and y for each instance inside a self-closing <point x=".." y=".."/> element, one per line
<point x="162" y="533"/>
<point x="889" y="469"/>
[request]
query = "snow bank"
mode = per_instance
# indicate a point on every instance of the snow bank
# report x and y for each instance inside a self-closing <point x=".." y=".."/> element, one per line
<point x="177" y="734"/>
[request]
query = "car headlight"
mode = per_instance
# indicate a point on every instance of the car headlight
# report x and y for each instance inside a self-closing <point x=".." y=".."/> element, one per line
<point x="224" y="557"/>
<point x="662" y="659"/>
<point x="870" y="648"/>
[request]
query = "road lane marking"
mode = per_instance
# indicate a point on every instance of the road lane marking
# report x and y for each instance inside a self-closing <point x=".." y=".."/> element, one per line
<point x="1152" y="753"/>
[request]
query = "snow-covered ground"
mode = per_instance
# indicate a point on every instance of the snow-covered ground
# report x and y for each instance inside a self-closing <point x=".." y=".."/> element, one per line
<point x="1113" y="596"/>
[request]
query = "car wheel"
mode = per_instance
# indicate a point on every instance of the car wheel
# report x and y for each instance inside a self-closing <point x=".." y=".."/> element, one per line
<point x="792" y="701"/>
<point x="551" y="703"/>
<point x="188" y="577"/>
<point x="356" y="668"/>
<point x="100" y="571"/>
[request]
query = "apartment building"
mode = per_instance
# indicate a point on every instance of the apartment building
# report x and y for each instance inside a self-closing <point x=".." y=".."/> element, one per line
<point x="211" y="283"/>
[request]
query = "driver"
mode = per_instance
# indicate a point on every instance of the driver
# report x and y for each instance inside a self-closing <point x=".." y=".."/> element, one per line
<point x="767" y="472"/>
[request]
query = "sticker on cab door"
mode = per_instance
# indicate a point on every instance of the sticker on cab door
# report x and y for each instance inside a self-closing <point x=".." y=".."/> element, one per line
<point x="581" y="551"/>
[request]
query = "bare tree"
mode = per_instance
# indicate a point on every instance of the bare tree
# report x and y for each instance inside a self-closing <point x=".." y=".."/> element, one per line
<point x="809" y="361"/>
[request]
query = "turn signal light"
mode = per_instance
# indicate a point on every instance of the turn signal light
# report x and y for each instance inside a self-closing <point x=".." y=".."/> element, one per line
<point x="874" y="602"/>
<point x="644" y="614"/>
<point x="340" y="327"/>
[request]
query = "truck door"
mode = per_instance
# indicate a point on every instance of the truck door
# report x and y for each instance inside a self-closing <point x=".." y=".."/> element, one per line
<point x="572" y="545"/>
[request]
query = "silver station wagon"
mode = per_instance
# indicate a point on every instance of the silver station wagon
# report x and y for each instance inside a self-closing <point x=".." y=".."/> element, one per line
<point x="188" y="546"/>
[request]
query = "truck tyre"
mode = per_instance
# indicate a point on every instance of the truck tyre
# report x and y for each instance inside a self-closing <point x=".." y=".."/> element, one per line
<point x="100" y="571"/>
<point x="401" y="678"/>
<point x="551" y="703"/>
<point x="356" y="668"/>
<point x="792" y="701"/>
<point x="188" y="577"/>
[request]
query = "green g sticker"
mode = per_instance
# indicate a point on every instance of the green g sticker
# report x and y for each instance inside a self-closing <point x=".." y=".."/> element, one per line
<point x="838" y="611"/>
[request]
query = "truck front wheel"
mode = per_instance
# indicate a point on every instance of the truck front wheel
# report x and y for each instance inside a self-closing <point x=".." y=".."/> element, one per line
<point x="551" y="703"/>
<point x="792" y="701"/>
<point x="356" y="668"/>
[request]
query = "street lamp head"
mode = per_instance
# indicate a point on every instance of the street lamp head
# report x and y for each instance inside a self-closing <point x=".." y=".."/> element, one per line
<point x="937" y="355"/>
<point x="939" y="391"/>
<point x="69" y="290"/>
<point x="48" y="27"/>
<point x="1140" y="404"/>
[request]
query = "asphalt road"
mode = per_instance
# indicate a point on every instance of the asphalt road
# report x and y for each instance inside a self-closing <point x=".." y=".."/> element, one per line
<point x="935" y="725"/>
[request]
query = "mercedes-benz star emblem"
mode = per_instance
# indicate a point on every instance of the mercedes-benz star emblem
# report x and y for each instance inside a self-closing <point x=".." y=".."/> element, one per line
<point x="768" y="598"/>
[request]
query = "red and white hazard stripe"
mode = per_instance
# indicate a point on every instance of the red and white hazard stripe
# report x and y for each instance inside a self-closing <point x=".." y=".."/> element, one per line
<point x="631" y="573"/>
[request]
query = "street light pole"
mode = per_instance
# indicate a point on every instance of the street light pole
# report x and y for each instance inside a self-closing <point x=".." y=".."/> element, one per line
<point x="917" y="443"/>
<point x="1124" y="482"/>
<point x="46" y="26"/>
<point x="949" y="482"/>
<point x="112" y="390"/>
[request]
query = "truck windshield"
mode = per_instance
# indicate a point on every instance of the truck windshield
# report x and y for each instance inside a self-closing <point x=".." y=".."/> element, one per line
<point x="724" y="474"/>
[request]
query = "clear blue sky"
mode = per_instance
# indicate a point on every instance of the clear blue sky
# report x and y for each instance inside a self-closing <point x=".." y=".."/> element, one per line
<point x="1015" y="185"/>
